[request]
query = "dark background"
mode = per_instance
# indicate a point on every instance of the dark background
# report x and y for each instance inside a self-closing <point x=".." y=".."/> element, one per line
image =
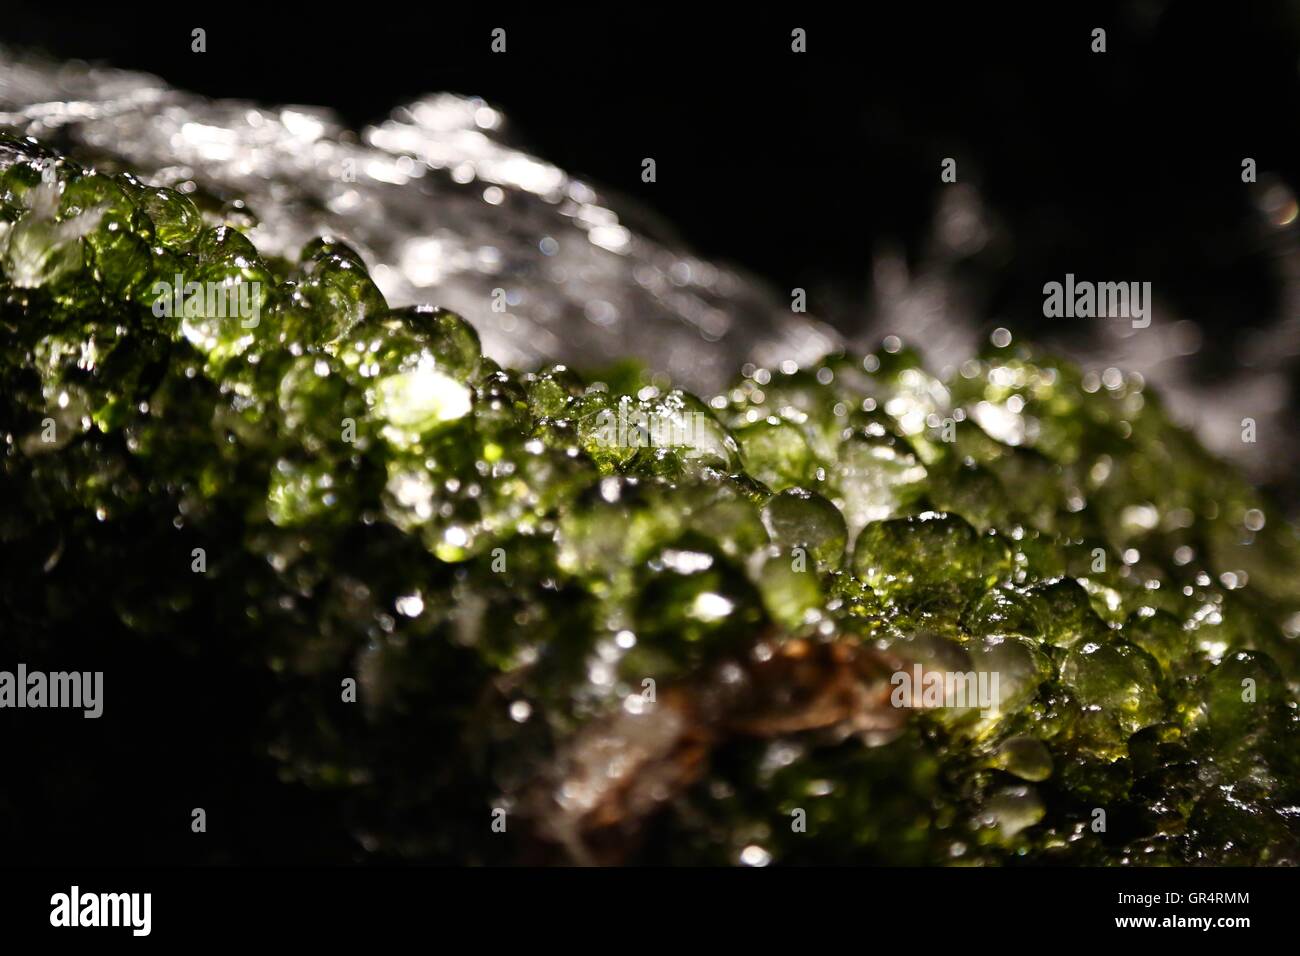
<point x="1125" y="164"/>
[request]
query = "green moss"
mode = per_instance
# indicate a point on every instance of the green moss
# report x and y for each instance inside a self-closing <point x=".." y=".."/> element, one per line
<point x="511" y="562"/>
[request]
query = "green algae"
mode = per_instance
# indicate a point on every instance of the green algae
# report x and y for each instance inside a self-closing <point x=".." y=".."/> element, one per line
<point x="505" y="561"/>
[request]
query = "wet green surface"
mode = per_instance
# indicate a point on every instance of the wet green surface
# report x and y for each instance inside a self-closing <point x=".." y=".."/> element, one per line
<point x="503" y="559"/>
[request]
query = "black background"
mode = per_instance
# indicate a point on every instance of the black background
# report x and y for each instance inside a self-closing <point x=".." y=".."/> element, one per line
<point x="797" y="166"/>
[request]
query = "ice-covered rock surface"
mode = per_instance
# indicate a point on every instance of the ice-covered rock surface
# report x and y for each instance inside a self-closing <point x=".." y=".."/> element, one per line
<point x="447" y="209"/>
<point x="444" y="208"/>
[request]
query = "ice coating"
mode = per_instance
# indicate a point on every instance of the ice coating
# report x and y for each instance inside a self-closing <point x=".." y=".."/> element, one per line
<point x="443" y="208"/>
<point x="447" y="210"/>
<point x="1014" y="517"/>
